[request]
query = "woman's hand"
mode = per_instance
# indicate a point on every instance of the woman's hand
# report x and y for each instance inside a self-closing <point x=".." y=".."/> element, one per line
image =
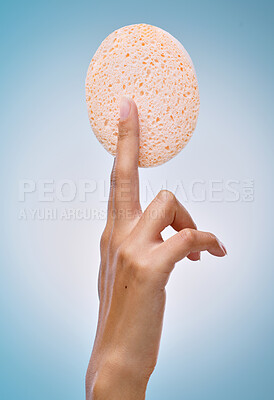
<point x="135" y="267"/>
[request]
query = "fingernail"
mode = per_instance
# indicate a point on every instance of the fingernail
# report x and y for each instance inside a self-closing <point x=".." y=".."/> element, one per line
<point x="125" y="106"/>
<point x="223" y="247"/>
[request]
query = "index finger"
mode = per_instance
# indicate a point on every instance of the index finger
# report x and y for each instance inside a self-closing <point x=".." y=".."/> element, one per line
<point x="126" y="179"/>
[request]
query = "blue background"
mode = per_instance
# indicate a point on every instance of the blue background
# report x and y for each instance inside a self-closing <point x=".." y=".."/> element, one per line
<point x="218" y="335"/>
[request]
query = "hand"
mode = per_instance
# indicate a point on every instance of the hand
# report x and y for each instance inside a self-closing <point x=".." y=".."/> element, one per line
<point x="135" y="267"/>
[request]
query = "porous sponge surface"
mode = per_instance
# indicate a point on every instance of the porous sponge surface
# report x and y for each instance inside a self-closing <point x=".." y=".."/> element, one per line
<point x="150" y="66"/>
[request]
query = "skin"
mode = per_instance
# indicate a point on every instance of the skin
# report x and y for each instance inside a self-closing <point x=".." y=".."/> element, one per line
<point x="135" y="267"/>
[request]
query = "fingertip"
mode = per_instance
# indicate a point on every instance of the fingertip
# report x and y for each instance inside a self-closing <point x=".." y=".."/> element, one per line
<point x="223" y="248"/>
<point x="128" y="108"/>
<point x="134" y="109"/>
<point x="125" y="108"/>
<point x="129" y="122"/>
<point x="219" y="252"/>
<point x="217" y="248"/>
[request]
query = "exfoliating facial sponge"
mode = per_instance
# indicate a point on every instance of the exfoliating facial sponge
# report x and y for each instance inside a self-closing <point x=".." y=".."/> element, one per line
<point x="150" y="66"/>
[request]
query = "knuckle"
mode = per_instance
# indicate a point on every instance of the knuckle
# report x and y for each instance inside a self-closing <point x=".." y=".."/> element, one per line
<point x="212" y="237"/>
<point x="166" y="197"/>
<point x="121" y="173"/>
<point x="114" y="241"/>
<point x="143" y="267"/>
<point x="124" y="130"/>
<point x="125" y="254"/>
<point x="104" y="239"/>
<point x="141" y="271"/>
<point x="188" y="236"/>
<point x="139" y="266"/>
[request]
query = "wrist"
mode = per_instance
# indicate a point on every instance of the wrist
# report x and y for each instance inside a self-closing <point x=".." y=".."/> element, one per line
<point x="116" y="379"/>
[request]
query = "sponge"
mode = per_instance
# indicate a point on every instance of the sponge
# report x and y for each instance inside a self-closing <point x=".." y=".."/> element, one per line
<point x="150" y="66"/>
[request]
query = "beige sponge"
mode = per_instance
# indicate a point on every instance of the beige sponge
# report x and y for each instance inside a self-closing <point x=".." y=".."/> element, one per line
<point x="150" y="66"/>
